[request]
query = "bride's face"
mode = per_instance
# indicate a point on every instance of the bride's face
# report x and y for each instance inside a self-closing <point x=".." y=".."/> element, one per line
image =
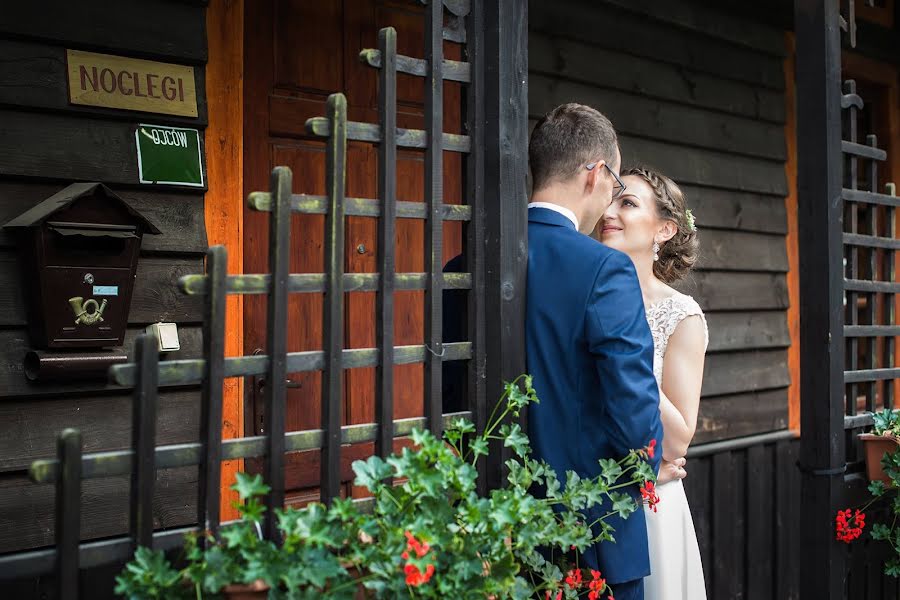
<point x="631" y="223"/>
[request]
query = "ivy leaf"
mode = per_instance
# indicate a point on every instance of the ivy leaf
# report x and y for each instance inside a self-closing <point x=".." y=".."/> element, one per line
<point x="515" y="438"/>
<point x="610" y="469"/>
<point x="479" y="447"/>
<point x="880" y="531"/>
<point x="371" y="472"/>
<point x="248" y="486"/>
<point x="623" y="504"/>
<point x="876" y="488"/>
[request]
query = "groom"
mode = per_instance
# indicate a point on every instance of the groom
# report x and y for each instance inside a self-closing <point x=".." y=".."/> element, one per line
<point x="588" y="344"/>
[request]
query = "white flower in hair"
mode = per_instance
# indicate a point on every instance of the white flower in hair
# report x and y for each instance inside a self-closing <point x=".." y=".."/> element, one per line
<point x="690" y="219"/>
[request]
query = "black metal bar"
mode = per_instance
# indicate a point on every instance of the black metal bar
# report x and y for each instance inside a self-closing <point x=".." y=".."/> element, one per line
<point x="360" y="207"/>
<point x="120" y="462"/>
<point x="406" y="138"/>
<point x="851" y="254"/>
<point x="872" y="265"/>
<point x="821" y="325"/>
<point x="863" y="151"/>
<point x="276" y="344"/>
<point x="68" y="513"/>
<point x="741" y="443"/>
<point x="506" y="223"/>
<point x="143" y="432"/>
<point x="885" y="287"/>
<point x="434" y="194"/>
<point x="871" y="241"/>
<point x="862" y="375"/>
<point x="870" y="197"/>
<point x="190" y="371"/>
<point x="475" y="243"/>
<point x="333" y="329"/>
<point x="315" y="282"/>
<point x="387" y="232"/>
<point x="890" y="316"/>
<point x="891" y="330"/>
<point x="210" y="482"/>
<point x="453" y="70"/>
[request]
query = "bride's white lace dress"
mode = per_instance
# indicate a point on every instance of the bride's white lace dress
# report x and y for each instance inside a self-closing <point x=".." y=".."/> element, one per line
<point x="676" y="572"/>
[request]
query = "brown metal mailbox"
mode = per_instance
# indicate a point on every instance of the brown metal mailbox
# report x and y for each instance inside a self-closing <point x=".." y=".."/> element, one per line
<point x="79" y="251"/>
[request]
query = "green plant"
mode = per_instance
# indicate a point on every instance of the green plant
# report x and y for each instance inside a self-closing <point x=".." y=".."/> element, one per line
<point x="887" y="422"/>
<point x="430" y="536"/>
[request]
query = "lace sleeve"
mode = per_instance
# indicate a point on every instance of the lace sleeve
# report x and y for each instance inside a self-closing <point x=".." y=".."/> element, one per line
<point x="683" y="307"/>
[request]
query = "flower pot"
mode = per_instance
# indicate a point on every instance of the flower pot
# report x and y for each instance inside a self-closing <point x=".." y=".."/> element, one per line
<point x="876" y="446"/>
<point x="246" y="591"/>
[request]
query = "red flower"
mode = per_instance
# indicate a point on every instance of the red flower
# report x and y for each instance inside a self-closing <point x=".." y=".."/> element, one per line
<point x="573" y="579"/>
<point x="420" y="548"/>
<point x="648" y="493"/>
<point x="415" y="577"/>
<point x="845" y="530"/>
<point x="597" y="585"/>
<point x="651" y="448"/>
<point x="559" y="595"/>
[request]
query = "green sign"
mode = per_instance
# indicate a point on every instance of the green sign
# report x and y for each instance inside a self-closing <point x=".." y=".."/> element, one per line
<point x="169" y="155"/>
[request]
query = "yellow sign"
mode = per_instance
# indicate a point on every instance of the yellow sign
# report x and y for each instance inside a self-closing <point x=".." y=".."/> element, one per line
<point x="131" y="84"/>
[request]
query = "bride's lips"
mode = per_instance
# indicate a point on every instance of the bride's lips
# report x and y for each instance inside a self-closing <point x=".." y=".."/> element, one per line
<point x="610" y="228"/>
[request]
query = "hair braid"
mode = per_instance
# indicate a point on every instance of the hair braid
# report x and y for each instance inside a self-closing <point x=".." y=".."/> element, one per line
<point x="678" y="255"/>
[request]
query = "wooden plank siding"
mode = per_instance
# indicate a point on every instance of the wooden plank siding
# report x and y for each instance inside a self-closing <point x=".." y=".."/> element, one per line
<point x="699" y="95"/>
<point x="48" y="144"/>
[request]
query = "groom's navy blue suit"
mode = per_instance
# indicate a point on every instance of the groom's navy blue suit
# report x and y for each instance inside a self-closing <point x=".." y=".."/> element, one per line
<point x="590" y="351"/>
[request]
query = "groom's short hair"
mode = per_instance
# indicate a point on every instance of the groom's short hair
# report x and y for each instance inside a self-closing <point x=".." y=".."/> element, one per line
<point x="567" y="138"/>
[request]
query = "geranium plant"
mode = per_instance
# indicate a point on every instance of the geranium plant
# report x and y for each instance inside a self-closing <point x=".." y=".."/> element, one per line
<point x="431" y="536"/>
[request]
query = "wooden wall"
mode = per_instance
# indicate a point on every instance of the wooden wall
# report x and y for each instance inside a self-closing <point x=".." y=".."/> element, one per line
<point x="699" y="95"/>
<point x="746" y="509"/>
<point x="46" y="145"/>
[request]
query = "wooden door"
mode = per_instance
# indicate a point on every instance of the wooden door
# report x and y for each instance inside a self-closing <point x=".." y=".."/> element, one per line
<point x="297" y="52"/>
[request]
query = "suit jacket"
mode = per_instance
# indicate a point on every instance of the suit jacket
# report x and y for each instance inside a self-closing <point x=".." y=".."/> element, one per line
<point x="590" y="351"/>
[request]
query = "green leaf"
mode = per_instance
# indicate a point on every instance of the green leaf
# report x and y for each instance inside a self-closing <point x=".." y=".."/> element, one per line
<point x="876" y="488"/>
<point x="371" y="472"/>
<point x="248" y="486"/>
<point x="623" y="504"/>
<point x="610" y="469"/>
<point x="479" y="447"/>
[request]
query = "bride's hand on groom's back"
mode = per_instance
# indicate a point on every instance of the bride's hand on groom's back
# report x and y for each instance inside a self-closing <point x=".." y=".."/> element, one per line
<point x="671" y="471"/>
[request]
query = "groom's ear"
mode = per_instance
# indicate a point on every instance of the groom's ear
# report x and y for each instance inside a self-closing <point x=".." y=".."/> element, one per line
<point x="593" y="178"/>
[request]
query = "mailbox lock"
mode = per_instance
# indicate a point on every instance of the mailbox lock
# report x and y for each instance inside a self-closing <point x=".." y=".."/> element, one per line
<point x="89" y="278"/>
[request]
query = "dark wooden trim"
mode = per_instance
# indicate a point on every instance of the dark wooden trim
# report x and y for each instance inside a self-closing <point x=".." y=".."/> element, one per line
<point x="333" y="322"/>
<point x="156" y="29"/>
<point x="39" y="70"/>
<point x="506" y="223"/>
<point x="68" y="514"/>
<point x="821" y="299"/>
<point x="58" y="147"/>
<point x="387" y="231"/>
<point x="275" y="393"/>
<point x="143" y="440"/>
<point x="211" y="411"/>
<point x="434" y="226"/>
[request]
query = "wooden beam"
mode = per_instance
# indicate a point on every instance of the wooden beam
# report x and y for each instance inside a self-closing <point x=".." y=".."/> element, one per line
<point x="505" y="94"/>
<point x="224" y="199"/>
<point x="819" y="162"/>
<point x="790" y="205"/>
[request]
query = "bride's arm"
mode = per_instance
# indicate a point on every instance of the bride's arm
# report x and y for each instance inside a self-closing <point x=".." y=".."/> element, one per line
<point x="679" y="398"/>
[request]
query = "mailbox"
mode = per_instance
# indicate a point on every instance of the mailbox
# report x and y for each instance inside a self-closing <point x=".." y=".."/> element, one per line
<point x="79" y="251"/>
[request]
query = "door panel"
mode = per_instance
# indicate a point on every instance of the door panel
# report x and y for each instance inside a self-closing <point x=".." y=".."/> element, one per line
<point x="297" y="52"/>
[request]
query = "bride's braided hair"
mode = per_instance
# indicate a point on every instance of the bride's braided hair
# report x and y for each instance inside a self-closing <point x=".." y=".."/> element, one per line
<point x="678" y="255"/>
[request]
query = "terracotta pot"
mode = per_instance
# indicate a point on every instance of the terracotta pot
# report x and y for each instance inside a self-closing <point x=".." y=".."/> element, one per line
<point x="876" y="446"/>
<point x="246" y="591"/>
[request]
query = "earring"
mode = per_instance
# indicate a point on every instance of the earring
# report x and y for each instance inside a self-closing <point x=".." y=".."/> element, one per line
<point x="655" y="251"/>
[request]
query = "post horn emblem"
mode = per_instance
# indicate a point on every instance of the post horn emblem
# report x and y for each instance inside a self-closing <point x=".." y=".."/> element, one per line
<point x="87" y="312"/>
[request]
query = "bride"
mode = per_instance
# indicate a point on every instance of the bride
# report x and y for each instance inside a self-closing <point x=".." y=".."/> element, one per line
<point x="652" y="224"/>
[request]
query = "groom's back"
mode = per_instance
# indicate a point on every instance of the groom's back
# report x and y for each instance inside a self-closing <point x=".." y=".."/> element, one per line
<point x="590" y="353"/>
<point x="562" y="269"/>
